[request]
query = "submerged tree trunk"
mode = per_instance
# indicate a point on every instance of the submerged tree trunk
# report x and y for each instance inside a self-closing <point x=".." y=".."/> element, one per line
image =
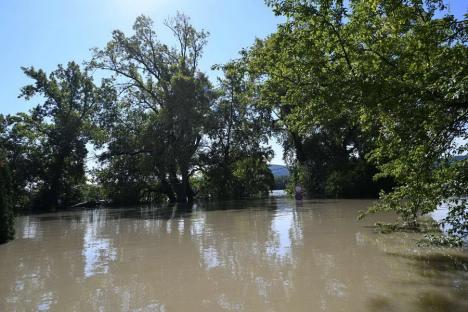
<point x="178" y="187"/>
<point x="50" y="198"/>
<point x="298" y="146"/>
<point x="189" y="193"/>
<point x="181" y="187"/>
<point x="167" y="190"/>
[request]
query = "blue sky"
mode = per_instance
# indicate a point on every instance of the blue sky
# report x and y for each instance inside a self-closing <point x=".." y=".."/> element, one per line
<point x="49" y="32"/>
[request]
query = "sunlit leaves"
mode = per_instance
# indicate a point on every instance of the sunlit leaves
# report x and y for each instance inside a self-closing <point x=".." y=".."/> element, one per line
<point x="393" y="68"/>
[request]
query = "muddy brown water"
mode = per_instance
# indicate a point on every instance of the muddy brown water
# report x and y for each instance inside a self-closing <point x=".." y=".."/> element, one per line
<point x="270" y="255"/>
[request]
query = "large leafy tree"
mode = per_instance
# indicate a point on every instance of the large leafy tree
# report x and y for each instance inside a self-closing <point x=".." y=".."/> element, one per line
<point x="165" y="84"/>
<point x="304" y="81"/>
<point x="131" y="167"/>
<point x="62" y="126"/>
<point x="238" y="139"/>
<point x="395" y="69"/>
<point x="21" y="139"/>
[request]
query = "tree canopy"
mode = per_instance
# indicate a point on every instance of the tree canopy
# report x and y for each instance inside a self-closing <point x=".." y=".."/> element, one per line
<point x="170" y="127"/>
<point x="393" y="73"/>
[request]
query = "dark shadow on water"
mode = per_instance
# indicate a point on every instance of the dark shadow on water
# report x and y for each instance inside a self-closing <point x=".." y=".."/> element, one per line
<point x="174" y="211"/>
<point x="179" y="210"/>
<point x="436" y="302"/>
<point x="380" y="304"/>
<point x="444" y="283"/>
<point x="72" y="217"/>
<point x="160" y="211"/>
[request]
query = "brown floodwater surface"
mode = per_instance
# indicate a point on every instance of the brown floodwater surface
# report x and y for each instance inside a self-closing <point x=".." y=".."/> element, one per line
<point x="270" y="255"/>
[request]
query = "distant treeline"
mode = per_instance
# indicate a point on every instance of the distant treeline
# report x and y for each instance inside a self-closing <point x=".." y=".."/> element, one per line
<point x="365" y="97"/>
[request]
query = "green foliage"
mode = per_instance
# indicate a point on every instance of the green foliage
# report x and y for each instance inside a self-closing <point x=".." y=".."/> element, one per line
<point x="91" y="192"/>
<point x="302" y="79"/>
<point x="170" y="123"/>
<point x="21" y="140"/>
<point x="253" y="177"/>
<point x="157" y="123"/>
<point x="237" y="138"/>
<point x="48" y="146"/>
<point x="327" y="153"/>
<point x="440" y="240"/>
<point x="393" y="71"/>
<point x="129" y="180"/>
<point x="162" y="114"/>
<point x="7" y="230"/>
<point x="246" y="178"/>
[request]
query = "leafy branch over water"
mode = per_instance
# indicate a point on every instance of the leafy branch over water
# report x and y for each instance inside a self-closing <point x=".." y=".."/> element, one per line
<point x="394" y="72"/>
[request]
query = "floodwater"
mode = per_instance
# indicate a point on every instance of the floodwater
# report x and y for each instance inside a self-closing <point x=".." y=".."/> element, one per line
<point x="271" y="255"/>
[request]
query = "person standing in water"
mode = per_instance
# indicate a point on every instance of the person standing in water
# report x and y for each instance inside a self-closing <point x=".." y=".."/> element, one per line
<point x="298" y="192"/>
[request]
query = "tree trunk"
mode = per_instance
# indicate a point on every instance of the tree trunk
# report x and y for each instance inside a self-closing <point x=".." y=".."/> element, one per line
<point x="178" y="187"/>
<point x="167" y="190"/>
<point x="188" y="188"/>
<point x="297" y="141"/>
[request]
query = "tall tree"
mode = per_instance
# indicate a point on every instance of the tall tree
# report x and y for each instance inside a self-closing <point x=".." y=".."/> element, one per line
<point x="240" y="131"/>
<point x="22" y="142"/>
<point x="304" y="81"/>
<point x="398" y="72"/>
<point x="165" y="84"/>
<point x="64" y="125"/>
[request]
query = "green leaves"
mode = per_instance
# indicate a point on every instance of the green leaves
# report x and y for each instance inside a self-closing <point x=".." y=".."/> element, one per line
<point x="7" y="230"/>
<point x="235" y="160"/>
<point x="158" y="127"/>
<point x="48" y="145"/>
<point x="393" y="70"/>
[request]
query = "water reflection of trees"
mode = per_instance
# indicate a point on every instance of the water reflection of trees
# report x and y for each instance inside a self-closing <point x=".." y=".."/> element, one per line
<point x="235" y="256"/>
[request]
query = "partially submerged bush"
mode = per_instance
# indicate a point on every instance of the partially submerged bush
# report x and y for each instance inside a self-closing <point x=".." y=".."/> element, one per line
<point x="433" y="236"/>
<point x="440" y="240"/>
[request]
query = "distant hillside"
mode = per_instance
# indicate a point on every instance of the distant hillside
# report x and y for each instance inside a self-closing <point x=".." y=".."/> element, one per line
<point x="279" y="170"/>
